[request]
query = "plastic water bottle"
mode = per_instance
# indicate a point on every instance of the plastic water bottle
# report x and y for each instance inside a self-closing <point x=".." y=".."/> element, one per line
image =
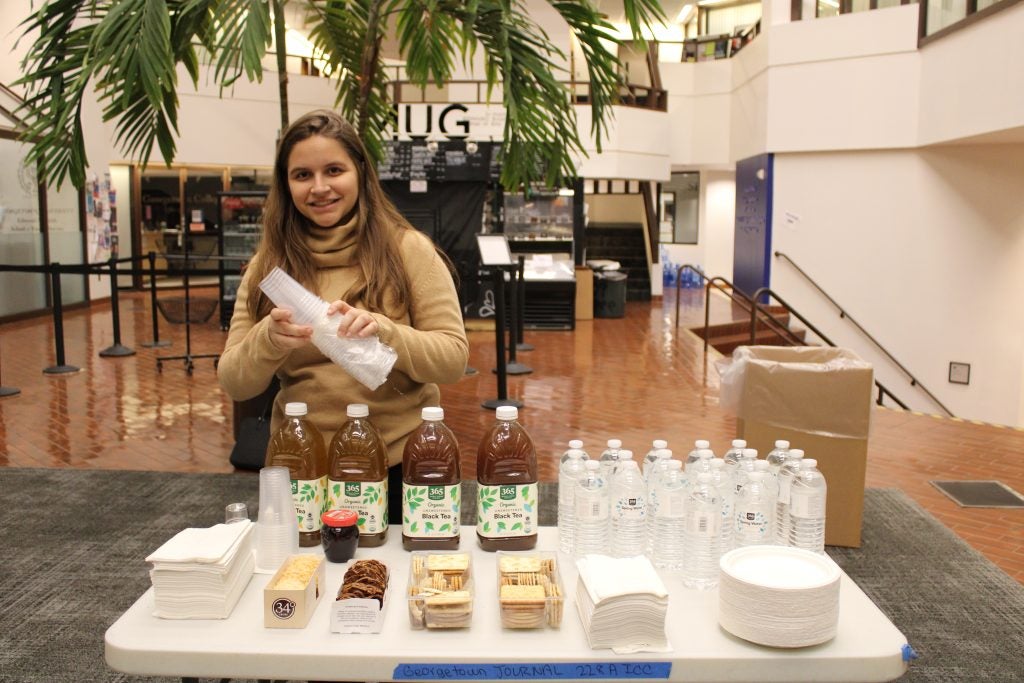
<point x="670" y="518"/>
<point x="628" y="500"/>
<point x="807" y="508"/>
<point x="755" y="512"/>
<point x="652" y="456"/>
<point x="692" y="456"/>
<point x="723" y="484"/>
<point x="733" y="454"/>
<point x="568" y="474"/>
<point x="577" y="445"/>
<point x="591" y="508"/>
<point x="701" y="463"/>
<point x="610" y="458"/>
<point x="657" y="472"/>
<point x="786" y="473"/>
<point x="744" y="466"/>
<point x="702" y="530"/>
<point x="771" y="484"/>
<point x="777" y="455"/>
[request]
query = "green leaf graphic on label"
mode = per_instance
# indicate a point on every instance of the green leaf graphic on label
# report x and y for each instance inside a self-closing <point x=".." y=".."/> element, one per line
<point x="487" y="526"/>
<point x="501" y="526"/>
<point x="412" y="527"/>
<point x="445" y="527"/>
<point x="527" y="507"/>
<point x="336" y="490"/>
<point x="517" y="525"/>
<point x="428" y="526"/>
<point x="361" y="521"/>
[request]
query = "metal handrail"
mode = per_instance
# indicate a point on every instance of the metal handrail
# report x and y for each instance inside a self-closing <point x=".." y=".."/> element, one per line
<point x="914" y="382"/>
<point x="767" y="291"/>
<point x="734" y="294"/>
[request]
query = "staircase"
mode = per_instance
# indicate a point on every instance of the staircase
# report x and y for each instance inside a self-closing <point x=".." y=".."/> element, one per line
<point x="622" y="242"/>
<point x="727" y="336"/>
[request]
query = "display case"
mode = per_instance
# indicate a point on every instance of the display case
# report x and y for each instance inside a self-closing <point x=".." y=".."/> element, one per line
<point x="240" y="223"/>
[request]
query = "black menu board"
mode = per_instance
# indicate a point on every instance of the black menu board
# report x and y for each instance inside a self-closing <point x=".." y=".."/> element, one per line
<point x="449" y="162"/>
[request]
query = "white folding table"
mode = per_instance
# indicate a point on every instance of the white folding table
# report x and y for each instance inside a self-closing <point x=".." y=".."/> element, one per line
<point x="867" y="646"/>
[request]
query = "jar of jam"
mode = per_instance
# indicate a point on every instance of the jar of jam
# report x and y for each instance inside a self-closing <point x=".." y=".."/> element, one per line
<point x="339" y="535"/>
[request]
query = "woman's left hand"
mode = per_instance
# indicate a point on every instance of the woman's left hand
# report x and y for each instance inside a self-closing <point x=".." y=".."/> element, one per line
<point x="355" y="322"/>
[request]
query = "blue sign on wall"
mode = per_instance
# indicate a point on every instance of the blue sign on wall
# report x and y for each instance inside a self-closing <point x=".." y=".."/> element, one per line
<point x="751" y="264"/>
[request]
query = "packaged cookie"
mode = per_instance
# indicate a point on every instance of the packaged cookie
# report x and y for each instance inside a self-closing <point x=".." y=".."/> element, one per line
<point x="361" y="598"/>
<point x="440" y="591"/>
<point x="529" y="589"/>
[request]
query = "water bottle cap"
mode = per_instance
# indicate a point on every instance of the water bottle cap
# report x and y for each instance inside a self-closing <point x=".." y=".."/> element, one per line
<point x="755" y="476"/>
<point x="592" y="465"/>
<point x="575" y="443"/>
<point x="717" y="463"/>
<point x="507" y="413"/>
<point x="782" y="443"/>
<point x="705" y="453"/>
<point x="664" y="453"/>
<point x="432" y="413"/>
<point x="575" y="453"/>
<point x="628" y="465"/>
<point x="739" y="443"/>
<point x="660" y="443"/>
<point x="704" y="477"/>
<point x="674" y="465"/>
<point x="625" y="455"/>
<point x="750" y="453"/>
<point x="808" y="464"/>
<point x="761" y="466"/>
<point x="614" y="443"/>
<point x="701" y="443"/>
<point x="357" y="410"/>
<point x="796" y="453"/>
<point x="295" y="409"/>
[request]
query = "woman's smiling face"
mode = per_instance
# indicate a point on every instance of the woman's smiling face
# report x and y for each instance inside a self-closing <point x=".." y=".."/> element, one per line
<point x="323" y="181"/>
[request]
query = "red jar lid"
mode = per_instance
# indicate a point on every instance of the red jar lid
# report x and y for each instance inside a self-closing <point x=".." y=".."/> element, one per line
<point x="339" y="518"/>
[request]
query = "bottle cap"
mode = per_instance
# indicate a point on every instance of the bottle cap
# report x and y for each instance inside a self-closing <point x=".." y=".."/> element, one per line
<point x="614" y="443"/>
<point x="575" y="453"/>
<point x="575" y="443"/>
<point x="591" y="465"/>
<point x="704" y="477"/>
<point x="782" y="443"/>
<point x="625" y="455"/>
<point x="296" y="409"/>
<point x="796" y="453"/>
<point x="674" y="465"/>
<point x="739" y="443"/>
<point x="432" y="413"/>
<point x="750" y="453"/>
<point x="628" y="465"/>
<point x="357" y="410"/>
<point x="761" y="465"/>
<point x="705" y="453"/>
<point x="664" y="453"/>
<point x="660" y="443"/>
<point x="701" y="443"/>
<point x="755" y="476"/>
<point x="336" y="518"/>
<point x="507" y="413"/>
<point x="808" y="464"/>
<point x="717" y="463"/>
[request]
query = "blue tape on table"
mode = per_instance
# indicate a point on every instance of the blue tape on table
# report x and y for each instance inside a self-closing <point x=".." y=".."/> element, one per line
<point x="519" y="671"/>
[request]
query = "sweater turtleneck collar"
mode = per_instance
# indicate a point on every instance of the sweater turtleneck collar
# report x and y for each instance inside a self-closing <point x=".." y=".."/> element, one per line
<point x="335" y="246"/>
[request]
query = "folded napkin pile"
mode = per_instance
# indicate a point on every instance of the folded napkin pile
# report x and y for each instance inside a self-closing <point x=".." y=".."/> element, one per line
<point x="622" y="603"/>
<point x="201" y="573"/>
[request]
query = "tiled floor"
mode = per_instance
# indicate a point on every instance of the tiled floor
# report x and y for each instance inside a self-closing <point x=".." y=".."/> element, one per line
<point x="635" y="378"/>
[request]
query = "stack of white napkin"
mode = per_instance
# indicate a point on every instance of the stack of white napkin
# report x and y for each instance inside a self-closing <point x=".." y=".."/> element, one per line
<point x="201" y="573"/>
<point x="622" y="603"/>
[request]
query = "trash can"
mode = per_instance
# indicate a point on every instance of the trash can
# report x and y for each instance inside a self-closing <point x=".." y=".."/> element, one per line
<point x="820" y="400"/>
<point x="609" y="294"/>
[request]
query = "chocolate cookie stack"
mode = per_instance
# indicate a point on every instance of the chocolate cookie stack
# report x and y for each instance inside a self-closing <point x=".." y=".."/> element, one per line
<point x="365" y="579"/>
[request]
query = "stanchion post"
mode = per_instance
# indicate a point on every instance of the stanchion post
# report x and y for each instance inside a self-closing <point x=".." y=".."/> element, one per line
<point x="499" y="342"/>
<point x="152" y="305"/>
<point x="520" y="285"/>
<point x="117" y="349"/>
<point x="514" y="367"/>
<point x="61" y="368"/>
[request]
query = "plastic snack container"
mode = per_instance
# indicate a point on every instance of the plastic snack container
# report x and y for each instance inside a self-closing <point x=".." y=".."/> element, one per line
<point x="530" y="593"/>
<point x="440" y="592"/>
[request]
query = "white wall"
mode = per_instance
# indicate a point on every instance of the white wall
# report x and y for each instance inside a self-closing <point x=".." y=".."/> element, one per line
<point x="925" y="249"/>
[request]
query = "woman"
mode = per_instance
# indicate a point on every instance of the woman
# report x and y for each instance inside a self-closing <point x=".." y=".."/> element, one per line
<point x="328" y="224"/>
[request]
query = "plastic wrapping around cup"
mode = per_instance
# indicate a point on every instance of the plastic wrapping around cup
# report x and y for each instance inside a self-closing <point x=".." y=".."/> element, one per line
<point x="366" y="360"/>
<point x="277" y="530"/>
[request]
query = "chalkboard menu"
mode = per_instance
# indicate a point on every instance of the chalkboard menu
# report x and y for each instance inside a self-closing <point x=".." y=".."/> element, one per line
<point x="449" y="162"/>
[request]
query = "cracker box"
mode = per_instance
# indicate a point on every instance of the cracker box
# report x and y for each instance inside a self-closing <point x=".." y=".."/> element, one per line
<point x="291" y="596"/>
<point x="530" y="591"/>
<point x="440" y="592"/>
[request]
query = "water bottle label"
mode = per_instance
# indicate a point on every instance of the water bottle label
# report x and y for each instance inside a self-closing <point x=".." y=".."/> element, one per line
<point x="431" y="511"/>
<point x="310" y="496"/>
<point x="591" y="509"/>
<point x="806" y="504"/>
<point x="705" y="526"/>
<point x="506" y="510"/>
<point x="629" y="508"/>
<point x="369" y="500"/>
<point x="751" y="525"/>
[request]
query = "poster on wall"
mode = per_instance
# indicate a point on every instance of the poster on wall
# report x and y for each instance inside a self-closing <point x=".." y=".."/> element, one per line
<point x="100" y="218"/>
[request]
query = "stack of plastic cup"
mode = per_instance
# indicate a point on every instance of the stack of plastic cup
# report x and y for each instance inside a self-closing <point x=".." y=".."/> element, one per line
<point x="366" y="359"/>
<point x="277" y="530"/>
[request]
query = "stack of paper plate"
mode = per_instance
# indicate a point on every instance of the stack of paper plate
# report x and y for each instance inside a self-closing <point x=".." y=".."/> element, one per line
<point x="778" y="596"/>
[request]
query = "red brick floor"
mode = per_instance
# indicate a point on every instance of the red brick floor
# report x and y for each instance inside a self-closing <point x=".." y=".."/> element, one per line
<point x="636" y="378"/>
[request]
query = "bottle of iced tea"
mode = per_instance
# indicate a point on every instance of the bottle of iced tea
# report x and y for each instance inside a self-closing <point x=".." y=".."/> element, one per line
<point x="506" y="472"/>
<point x="357" y="475"/>
<point x="299" y="446"/>
<point x="431" y="486"/>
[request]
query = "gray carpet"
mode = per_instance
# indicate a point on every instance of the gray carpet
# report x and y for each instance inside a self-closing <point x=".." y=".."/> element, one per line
<point x="73" y="543"/>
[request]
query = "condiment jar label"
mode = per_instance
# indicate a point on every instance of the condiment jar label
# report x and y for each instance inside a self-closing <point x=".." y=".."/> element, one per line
<point x="431" y="511"/>
<point x="310" y="497"/>
<point x="369" y="499"/>
<point x="506" y="510"/>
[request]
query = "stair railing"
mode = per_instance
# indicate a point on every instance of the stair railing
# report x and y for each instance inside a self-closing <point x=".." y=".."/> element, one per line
<point x="914" y="382"/>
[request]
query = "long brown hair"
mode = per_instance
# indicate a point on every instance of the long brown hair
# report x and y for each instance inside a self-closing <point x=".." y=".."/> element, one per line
<point x="383" y="281"/>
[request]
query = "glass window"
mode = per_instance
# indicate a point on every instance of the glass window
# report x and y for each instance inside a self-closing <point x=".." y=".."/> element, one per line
<point x="942" y="13"/>
<point x="680" y="204"/>
<point x="21" y="236"/>
<point x="64" y="235"/>
<point x="251" y="178"/>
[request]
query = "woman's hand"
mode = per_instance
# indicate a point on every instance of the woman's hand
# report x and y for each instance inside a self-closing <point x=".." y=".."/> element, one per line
<point x="355" y="322"/>
<point x="284" y="333"/>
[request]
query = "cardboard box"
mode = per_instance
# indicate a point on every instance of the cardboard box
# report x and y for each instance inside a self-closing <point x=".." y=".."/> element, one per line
<point x="820" y="400"/>
<point x="293" y="607"/>
<point x="584" y="293"/>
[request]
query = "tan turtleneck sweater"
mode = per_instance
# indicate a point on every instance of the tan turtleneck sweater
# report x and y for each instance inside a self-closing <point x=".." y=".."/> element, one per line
<point x="430" y="341"/>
